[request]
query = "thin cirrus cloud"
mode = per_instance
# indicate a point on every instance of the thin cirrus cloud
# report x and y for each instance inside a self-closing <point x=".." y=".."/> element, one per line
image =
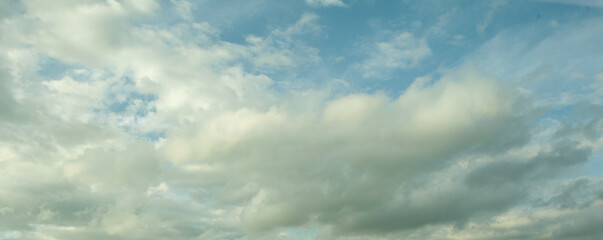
<point x="590" y="3"/>
<point x="325" y="3"/>
<point x="145" y="120"/>
<point x="399" y="51"/>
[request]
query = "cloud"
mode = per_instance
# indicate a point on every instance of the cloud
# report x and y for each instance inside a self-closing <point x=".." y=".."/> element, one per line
<point x="84" y="171"/>
<point x="400" y="51"/>
<point x="281" y="49"/>
<point x="590" y="3"/>
<point x="325" y="3"/>
<point x="113" y="126"/>
<point x="184" y="8"/>
<point x="542" y="166"/>
<point x="87" y="32"/>
<point x="489" y="15"/>
<point x="346" y="166"/>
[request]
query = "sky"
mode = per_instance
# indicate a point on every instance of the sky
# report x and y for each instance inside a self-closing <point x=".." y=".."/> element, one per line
<point x="301" y="119"/>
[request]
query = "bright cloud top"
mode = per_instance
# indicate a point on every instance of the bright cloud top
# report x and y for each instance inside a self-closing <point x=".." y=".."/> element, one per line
<point x="300" y="120"/>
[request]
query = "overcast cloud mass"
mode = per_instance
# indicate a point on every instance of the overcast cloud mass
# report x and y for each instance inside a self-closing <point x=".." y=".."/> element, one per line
<point x="301" y="119"/>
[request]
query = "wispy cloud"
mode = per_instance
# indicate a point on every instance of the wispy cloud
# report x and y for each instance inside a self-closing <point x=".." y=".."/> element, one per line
<point x="591" y="3"/>
<point x="325" y="3"/>
<point x="400" y="51"/>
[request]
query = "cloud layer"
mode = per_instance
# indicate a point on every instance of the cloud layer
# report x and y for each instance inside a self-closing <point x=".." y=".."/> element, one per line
<point x="140" y="119"/>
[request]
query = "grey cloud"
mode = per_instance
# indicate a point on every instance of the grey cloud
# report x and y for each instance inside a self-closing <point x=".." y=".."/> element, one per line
<point x="347" y="167"/>
<point x="32" y="193"/>
<point x="456" y="158"/>
<point x="455" y="206"/>
<point x="9" y="8"/>
<point x="588" y="123"/>
<point x="7" y="103"/>
<point x="578" y="194"/>
<point x="10" y="109"/>
<point x="573" y="224"/>
<point x="586" y="226"/>
<point x="137" y="165"/>
<point x="545" y="165"/>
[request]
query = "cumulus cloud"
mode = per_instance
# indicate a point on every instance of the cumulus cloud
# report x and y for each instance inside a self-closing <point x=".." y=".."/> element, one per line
<point x="349" y="164"/>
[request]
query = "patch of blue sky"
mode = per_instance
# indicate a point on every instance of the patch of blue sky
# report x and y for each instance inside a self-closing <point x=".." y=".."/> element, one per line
<point x="149" y="136"/>
<point x="169" y="15"/>
<point x="506" y="28"/>
<point x="183" y="196"/>
<point x="452" y="33"/>
<point x="122" y="99"/>
<point x="559" y="114"/>
<point x="53" y="69"/>
<point x="594" y="166"/>
<point x="512" y="42"/>
<point x="248" y="18"/>
<point x="580" y="119"/>
<point x="555" y="65"/>
<point x="300" y="234"/>
<point x="121" y="106"/>
<point x="154" y="135"/>
<point x="122" y="94"/>
<point x="10" y="235"/>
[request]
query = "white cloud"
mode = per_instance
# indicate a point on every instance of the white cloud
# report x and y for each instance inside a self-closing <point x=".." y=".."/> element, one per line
<point x="454" y="158"/>
<point x="400" y="51"/>
<point x="481" y="27"/>
<point x="325" y="3"/>
<point x="184" y="8"/>
<point x="359" y="150"/>
<point x="74" y="146"/>
<point x="86" y="32"/>
<point x="281" y="49"/>
<point x="533" y="59"/>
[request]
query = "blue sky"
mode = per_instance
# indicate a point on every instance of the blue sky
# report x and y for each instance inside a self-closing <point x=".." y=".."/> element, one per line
<point x="301" y="119"/>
